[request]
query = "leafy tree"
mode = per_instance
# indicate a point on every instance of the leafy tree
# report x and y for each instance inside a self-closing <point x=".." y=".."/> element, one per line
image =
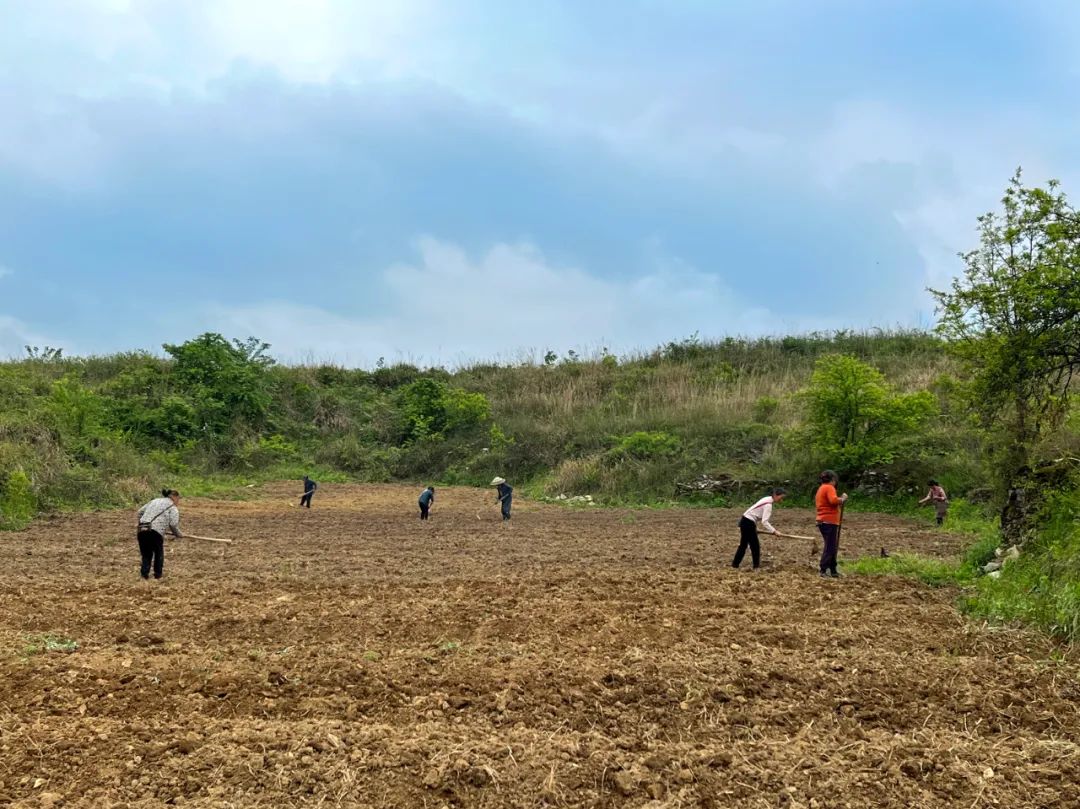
<point x="855" y="417"/>
<point x="432" y="408"/>
<point x="75" y="411"/>
<point x="1013" y="318"/>
<point x="225" y="381"/>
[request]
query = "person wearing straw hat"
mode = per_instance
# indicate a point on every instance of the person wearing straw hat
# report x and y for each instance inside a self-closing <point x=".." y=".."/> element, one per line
<point x="155" y="518"/>
<point x="504" y="493"/>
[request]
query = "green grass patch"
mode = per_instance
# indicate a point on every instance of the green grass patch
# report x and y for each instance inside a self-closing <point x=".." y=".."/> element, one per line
<point x="935" y="572"/>
<point x="40" y="644"/>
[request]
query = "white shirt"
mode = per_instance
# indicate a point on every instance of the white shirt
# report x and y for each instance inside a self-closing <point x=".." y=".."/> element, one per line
<point x="760" y="513"/>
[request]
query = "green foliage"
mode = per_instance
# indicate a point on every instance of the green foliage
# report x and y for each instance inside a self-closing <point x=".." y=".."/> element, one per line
<point x="17" y="502"/>
<point x="76" y="412"/>
<point x="855" y="417"/>
<point x="645" y="446"/>
<point x="935" y="572"/>
<point x="40" y="644"/>
<point x="433" y="409"/>
<point x="1013" y="317"/>
<point x="1043" y="586"/>
<point x="765" y="409"/>
<point x="225" y="381"/>
<point x="214" y="413"/>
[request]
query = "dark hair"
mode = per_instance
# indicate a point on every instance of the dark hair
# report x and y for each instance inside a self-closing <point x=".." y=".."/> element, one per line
<point x="778" y="492"/>
<point x="828" y="476"/>
<point x="169" y="493"/>
<point x="432" y="488"/>
<point x="934" y="482"/>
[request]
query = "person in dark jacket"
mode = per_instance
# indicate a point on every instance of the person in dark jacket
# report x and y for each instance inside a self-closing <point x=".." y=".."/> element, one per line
<point x="427" y="499"/>
<point x="309" y="489"/>
<point x="504" y="493"/>
<point x="155" y="518"/>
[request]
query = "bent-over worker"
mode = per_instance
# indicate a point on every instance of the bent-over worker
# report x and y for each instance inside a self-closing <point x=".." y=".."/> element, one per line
<point x="504" y="494"/>
<point x="155" y="518"/>
<point x="757" y="514"/>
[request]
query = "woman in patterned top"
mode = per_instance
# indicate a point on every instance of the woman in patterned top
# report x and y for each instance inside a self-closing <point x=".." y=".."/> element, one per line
<point x="155" y="518"/>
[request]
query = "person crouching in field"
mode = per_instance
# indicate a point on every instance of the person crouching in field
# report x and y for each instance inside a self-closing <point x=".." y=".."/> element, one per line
<point x="427" y="499"/>
<point x="155" y="518"/>
<point x="939" y="499"/>
<point x="757" y="514"/>
<point x="829" y="506"/>
<point x="309" y="489"/>
<point x="504" y="494"/>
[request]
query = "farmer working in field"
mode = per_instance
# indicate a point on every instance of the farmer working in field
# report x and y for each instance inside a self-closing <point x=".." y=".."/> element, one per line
<point x="504" y="494"/>
<point x="159" y="515"/>
<point x="757" y="514"/>
<point x="309" y="489"/>
<point x="427" y="499"/>
<point x="939" y="499"/>
<point x="829" y="509"/>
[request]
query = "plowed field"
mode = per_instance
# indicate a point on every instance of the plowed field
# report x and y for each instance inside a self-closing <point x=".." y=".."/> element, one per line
<point x="351" y="655"/>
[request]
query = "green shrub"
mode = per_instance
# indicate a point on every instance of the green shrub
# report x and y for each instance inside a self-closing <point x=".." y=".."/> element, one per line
<point x="18" y="505"/>
<point x="644" y="446"/>
<point x="855" y="417"/>
<point x="432" y="408"/>
<point x="765" y="409"/>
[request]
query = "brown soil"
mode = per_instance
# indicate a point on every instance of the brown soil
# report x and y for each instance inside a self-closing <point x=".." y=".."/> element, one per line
<point x="351" y="655"/>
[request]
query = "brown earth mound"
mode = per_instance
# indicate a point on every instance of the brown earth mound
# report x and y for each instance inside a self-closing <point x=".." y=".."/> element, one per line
<point x="351" y="655"/>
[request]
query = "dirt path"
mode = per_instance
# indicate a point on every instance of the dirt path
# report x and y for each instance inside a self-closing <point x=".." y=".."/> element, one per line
<point x="351" y="655"/>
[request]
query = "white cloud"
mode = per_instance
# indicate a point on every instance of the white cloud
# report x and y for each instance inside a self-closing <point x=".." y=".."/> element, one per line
<point x="5" y="271"/>
<point x="449" y="307"/>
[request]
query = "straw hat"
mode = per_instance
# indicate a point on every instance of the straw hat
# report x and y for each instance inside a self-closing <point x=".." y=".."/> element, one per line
<point x="497" y="481"/>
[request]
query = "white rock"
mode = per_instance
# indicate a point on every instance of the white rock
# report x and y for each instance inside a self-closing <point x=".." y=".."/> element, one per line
<point x="995" y="574"/>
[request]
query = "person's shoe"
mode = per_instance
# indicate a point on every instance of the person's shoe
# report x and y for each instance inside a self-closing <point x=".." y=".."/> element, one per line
<point x="823" y="574"/>
<point x="833" y="574"/>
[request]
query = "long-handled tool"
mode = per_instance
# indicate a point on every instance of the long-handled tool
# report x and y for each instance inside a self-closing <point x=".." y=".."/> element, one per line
<point x="792" y="536"/>
<point x="207" y="539"/>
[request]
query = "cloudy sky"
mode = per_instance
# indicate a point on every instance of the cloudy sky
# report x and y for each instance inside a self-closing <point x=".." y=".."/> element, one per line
<point x="442" y="180"/>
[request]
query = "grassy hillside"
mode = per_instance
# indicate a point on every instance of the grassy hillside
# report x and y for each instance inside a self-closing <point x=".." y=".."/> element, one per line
<point x="105" y="430"/>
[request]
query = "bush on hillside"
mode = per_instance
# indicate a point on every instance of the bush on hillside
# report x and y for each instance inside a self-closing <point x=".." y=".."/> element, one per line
<point x="855" y="417"/>
<point x="18" y="505"/>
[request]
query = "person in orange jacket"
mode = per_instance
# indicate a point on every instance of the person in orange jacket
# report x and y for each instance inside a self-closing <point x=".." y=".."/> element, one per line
<point x="829" y="506"/>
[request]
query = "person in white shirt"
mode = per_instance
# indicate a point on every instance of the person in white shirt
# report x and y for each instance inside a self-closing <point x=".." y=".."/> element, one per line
<point x="757" y="514"/>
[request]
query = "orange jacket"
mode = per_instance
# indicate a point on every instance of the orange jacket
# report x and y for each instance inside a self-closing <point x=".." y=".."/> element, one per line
<point x="828" y="504"/>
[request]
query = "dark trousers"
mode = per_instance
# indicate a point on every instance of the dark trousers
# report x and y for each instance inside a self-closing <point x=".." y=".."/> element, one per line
<point x="748" y="538"/>
<point x="506" y="507"/>
<point x="830" y="533"/>
<point x="424" y="508"/>
<point x="306" y="499"/>
<point x="152" y="548"/>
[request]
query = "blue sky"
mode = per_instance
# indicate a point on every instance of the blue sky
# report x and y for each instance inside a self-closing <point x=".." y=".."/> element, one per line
<point x="441" y="181"/>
